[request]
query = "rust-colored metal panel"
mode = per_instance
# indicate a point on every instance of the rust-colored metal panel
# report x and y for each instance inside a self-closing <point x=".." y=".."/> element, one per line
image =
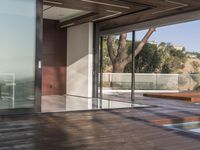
<point x="54" y="59"/>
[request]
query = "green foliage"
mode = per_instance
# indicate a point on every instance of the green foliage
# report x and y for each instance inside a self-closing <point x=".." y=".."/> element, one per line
<point x="162" y="58"/>
<point x="148" y="60"/>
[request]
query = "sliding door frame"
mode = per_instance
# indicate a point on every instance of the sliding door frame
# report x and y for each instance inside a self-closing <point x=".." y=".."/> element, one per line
<point x="98" y="64"/>
<point x="96" y="59"/>
<point x="38" y="59"/>
<point x="38" y="71"/>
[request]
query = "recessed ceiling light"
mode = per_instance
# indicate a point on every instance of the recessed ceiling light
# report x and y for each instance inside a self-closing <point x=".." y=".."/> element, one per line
<point x="112" y="11"/>
<point x="178" y="3"/>
<point x="53" y="2"/>
<point x="108" y="16"/>
<point x="107" y="4"/>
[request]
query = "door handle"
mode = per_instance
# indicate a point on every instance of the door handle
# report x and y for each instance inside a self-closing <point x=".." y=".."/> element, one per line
<point x="39" y="64"/>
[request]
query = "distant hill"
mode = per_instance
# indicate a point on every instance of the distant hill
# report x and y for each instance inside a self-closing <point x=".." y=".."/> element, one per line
<point x="192" y="65"/>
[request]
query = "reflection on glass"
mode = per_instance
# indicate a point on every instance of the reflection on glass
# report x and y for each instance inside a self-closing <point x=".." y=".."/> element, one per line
<point x="17" y="48"/>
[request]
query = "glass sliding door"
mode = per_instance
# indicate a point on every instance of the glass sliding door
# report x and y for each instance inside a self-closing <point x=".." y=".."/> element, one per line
<point x="17" y="53"/>
<point x="116" y="69"/>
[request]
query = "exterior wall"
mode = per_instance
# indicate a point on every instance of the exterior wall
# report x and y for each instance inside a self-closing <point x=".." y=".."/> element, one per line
<point x="79" y="60"/>
<point x="53" y="59"/>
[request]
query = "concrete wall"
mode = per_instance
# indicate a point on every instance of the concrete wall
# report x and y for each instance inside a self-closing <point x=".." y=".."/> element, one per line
<point x="79" y="60"/>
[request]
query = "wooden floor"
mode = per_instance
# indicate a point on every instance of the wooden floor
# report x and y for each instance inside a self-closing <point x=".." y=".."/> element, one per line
<point x="189" y="96"/>
<point x="121" y="129"/>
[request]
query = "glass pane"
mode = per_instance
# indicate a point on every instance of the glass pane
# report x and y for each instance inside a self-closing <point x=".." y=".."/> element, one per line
<point x="117" y="67"/>
<point x="17" y="48"/>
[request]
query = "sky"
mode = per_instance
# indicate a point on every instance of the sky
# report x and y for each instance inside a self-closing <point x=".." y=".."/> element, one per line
<point x="17" y="36"/>
<point x="184" y="34"/>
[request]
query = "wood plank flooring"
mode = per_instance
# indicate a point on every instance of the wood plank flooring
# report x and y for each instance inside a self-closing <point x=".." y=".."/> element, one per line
<point x="120" y="129"/>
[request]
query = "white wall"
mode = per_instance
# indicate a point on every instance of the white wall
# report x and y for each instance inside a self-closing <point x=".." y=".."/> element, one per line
<point x="79" y="60"/>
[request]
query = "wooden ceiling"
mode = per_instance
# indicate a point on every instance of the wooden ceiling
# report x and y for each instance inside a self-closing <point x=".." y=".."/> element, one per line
<point x="115" y="13"/>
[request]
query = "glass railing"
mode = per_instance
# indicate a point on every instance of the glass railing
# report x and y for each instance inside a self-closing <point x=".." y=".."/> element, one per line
<point x="146" y="81"/>
<point x="15" y="93"/>
<point x="7" y="90"/>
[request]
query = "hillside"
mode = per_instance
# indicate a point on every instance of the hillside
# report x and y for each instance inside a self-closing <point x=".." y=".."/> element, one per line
<point x="192" y="65"/>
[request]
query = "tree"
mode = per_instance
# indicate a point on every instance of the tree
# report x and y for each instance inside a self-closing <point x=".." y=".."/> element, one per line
<point x="120" y="57"/>
<point x="144" y="41"/>
<point x="149" y="59"/>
